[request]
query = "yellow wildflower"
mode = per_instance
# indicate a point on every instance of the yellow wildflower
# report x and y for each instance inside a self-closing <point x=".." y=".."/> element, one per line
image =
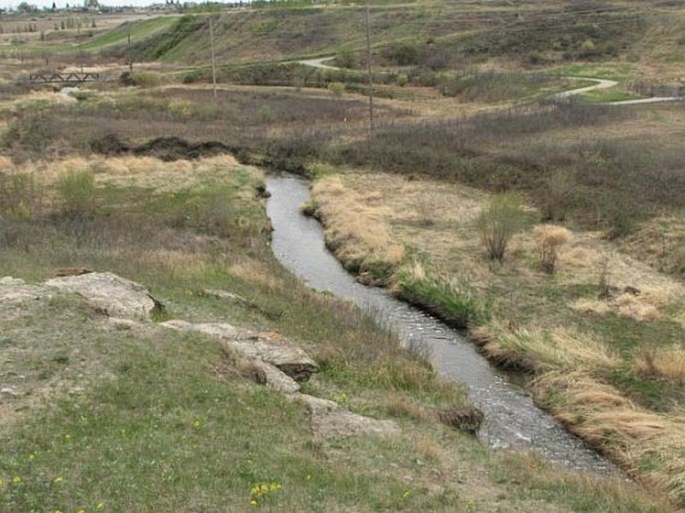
<point x="58" y="480"/>
<point x="100" y="506"/>
<point x="253" y="502"/>
<point x="16" y="480"/>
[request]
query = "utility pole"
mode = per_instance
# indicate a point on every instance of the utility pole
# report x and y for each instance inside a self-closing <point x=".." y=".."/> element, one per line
<point x="130" y="58"/>
<point x="368" y="66"/>
<point x="211" y="37"/>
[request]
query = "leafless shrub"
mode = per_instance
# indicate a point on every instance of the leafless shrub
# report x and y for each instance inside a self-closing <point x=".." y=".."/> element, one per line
<point x="498" y="223"/>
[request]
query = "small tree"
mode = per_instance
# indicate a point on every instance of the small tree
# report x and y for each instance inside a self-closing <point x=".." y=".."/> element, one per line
<point x="559" y="190"/>
<point x="499" y="222"/>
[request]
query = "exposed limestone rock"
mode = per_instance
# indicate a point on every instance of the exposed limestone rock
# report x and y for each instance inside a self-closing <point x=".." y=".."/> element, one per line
<point x="239" y="300"/>
<point x="16" y="296"/>
<point x="8" y="281"/>
<point x="116" y="296"/>
<point x="268" y="347"/>
<point x="329" y="420"/>
<point x="275" y="379"/>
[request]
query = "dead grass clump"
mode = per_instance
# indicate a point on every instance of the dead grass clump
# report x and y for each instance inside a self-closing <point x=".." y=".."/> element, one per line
<point x="549" y="239"/>
<point x="597" y="412"/>
<point x="625" y="305"/>
<point x="327" y="356"/>
<point x="252" y="271"/>
<point x="355" y="232"/>
<point x="539" y="350"/>
<point x="175" y="262"/>
<point x="71" y="165"/>
<point x="6" y="163"/>
<point x="402" y="405"/>
<point x="595" y="306"/>
<point x="662" y="363"/>
<point x="429" y="450"/>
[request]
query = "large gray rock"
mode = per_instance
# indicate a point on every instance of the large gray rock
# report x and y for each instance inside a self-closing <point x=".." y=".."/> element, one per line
<point x="17" y="298"/>
<point x="329" y="420"/>
<point x="115" y="296"/>
<point x="268" y="347"/>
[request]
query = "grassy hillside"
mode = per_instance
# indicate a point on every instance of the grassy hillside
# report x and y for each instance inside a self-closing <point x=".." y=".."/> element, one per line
<point x="105" y="416"/>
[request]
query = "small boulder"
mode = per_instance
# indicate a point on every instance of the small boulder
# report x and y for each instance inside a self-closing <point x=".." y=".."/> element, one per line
<point x="268" y="347"/>
<point x="116" y="296"/>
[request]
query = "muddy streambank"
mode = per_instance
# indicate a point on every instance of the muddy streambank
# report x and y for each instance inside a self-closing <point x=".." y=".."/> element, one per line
<point x="512" y="421"/>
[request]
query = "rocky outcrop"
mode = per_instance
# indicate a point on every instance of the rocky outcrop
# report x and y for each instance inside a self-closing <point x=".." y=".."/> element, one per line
<point x="268" y="358"/>
<point x="113" y="295"/>
<point x="16" y="297"/>
<point x="329" y="420"/>
<point x="280" y="365"/>
<point x="267" y="347"/>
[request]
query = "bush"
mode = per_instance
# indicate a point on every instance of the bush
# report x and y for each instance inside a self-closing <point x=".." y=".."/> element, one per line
<point x="76" y="190"/>
<point x="559" y="189"/>
<point x="336" y="89"/>
<point x="497" y="224"/>
<point x="20" y="196"/>
<point x="550" y="238"/>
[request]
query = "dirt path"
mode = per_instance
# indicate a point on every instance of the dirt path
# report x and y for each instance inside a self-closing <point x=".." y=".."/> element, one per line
<point x="600" y="83"/>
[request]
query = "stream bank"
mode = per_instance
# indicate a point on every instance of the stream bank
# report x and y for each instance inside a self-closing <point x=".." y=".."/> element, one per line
<point x="512" y="421"/>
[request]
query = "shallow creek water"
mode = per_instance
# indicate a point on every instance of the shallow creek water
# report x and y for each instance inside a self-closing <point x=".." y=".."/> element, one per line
<point x="512" y="421"/>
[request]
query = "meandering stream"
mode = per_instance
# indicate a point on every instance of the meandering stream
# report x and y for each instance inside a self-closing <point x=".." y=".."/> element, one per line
<point x="511" y="418"/>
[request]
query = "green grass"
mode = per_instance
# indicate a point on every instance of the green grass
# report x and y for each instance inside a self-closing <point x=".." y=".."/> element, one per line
<point x="155" y="420"/>
<point x="614" y="94"/>
<point x="137" y="30"/>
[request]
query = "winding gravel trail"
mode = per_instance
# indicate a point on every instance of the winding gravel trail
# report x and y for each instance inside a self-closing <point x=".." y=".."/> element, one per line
<point x="600" y="83"/>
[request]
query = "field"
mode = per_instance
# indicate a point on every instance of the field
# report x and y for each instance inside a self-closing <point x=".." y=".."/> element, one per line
<point x="466" y="113"/>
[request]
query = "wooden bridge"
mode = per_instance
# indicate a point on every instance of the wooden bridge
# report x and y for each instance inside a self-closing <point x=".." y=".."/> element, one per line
<point x="63" y="78"/>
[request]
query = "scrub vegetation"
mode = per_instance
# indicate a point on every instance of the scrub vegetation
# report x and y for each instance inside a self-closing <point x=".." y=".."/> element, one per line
<point x="549" y="227"/>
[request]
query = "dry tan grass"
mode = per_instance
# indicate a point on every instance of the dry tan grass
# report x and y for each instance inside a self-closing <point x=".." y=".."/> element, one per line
<point x="400" y="405"/>
<point x="356" y="232"/>
<point x="253" y="271"/>
<point x="137" y="171"/>
<point x="599" y="413"/>
<point x="566" y="361"/>
<point x="549" y="239"/>
<point x="429" y="450"/>
<point x="542" y="350"/>
<point x="174" y="262"/>
<point x="6" y="164"/>
<point x="662" y="362"/>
